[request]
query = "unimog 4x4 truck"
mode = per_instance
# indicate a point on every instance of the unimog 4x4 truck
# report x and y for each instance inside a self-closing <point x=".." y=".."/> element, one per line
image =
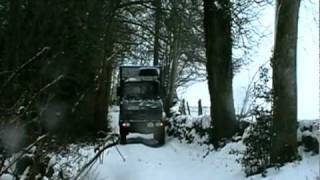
<point x="141" y="107"/>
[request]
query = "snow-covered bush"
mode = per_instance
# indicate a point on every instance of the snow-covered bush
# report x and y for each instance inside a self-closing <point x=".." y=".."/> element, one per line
<point x="190" y="129"/>
<point x="308" y="135"/>
<point x="257" y="139"/>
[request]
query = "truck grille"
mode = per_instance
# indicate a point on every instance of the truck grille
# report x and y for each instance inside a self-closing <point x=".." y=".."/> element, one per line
<point x="143" y="115"/>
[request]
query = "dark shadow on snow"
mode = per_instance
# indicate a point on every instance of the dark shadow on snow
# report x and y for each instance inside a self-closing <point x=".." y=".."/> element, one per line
<point x="140" y="140"/>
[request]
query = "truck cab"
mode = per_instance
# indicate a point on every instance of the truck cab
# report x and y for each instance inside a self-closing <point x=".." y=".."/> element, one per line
<point x="141" y="107"/>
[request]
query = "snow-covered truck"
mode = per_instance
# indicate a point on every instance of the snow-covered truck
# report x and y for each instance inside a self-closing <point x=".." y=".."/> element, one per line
<point x="141" y="106"/>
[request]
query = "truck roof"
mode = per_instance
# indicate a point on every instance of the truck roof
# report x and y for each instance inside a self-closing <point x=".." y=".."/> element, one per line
<point x="128" y="72"/>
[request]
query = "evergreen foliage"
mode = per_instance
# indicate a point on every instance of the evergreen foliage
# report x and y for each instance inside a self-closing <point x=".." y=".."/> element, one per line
<point x="257" y="137"/>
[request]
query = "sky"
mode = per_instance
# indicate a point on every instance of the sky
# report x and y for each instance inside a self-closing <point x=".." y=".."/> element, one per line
<point x="307" y="64"/>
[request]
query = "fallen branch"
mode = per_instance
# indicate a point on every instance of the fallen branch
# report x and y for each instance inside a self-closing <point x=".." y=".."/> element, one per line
<point x="22" y="153"/>
<point x="100" y="151"/>
<point x="245" y="108"/>
<point x="122" y="157"/>
<point x="20" y="68"/>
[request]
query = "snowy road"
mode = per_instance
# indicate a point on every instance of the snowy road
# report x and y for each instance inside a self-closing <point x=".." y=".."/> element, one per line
<point x="172" y="161"/>
<point x="180" y="161"/>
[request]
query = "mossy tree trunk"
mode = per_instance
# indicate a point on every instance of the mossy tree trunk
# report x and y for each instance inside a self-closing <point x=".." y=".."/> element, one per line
<point x="217" y="25"/>
<point x="284" y="124"/>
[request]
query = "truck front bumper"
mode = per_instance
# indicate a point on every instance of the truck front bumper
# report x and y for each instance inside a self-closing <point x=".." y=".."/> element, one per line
<point x="141" y="126"/>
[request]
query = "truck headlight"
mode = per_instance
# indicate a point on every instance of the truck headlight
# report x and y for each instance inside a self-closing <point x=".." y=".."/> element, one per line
<point x="159" y="124"/>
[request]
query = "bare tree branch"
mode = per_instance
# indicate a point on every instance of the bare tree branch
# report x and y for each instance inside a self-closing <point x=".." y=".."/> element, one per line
<point x="4" y="72"/>
<point x="19" y="69"/>
<point x="43" y="89"/>
<point x="133" y="3"/>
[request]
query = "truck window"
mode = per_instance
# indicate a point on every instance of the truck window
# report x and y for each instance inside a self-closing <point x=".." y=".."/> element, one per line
<point x="140" y="90"/>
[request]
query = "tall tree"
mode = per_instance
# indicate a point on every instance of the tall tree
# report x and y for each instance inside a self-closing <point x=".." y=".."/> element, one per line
<point x="107" y="60"/>
<point x="217" y="25"/>
<point x="174" y="30"/>
<point x="157" y="23"/>
<point x="81" y="38"/>
<point x="284" y="139"/>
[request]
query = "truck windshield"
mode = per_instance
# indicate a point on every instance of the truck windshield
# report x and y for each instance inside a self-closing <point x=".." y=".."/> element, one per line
<point x="140" y="90"/>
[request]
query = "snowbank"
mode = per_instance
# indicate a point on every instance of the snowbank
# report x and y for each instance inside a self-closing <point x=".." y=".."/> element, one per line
<point x="190" y="129"/>
<point x="309" y="135"/>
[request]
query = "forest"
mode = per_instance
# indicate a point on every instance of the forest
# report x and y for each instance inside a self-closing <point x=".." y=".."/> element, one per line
<point x="62" y="104"/>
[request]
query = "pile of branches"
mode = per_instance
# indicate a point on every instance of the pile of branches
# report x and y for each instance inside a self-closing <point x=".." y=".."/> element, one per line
<point x="48" y="158"/>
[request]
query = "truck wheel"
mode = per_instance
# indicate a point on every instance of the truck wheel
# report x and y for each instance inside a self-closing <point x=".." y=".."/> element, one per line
<point x="159" y="135"/>
<point x="123" y="137"/>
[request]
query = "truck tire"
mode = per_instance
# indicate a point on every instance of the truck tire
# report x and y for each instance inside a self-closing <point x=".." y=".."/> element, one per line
<point x="159" y="135"/>
<point x="123" y="136"/>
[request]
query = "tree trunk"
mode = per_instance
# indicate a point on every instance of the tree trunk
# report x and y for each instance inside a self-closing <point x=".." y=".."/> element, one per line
<point x="183" y="107"/>
<point x="103" y="95"/>
<point x="174" y="53"/>
<point x="157" y="4"/>
<point x="284" y="125"/>
<point x="188" y="108"/>
<point x="173" y="75"/>
<point x="217" y="25"/>
<point x="13" y="52"/>
<point x="109" y="70"/>
<point x="199" y="107"/>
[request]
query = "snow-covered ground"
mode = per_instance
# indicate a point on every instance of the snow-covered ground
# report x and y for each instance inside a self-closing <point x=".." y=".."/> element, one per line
<point x="175" y="160"/>
<point x="180" y="161"/>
